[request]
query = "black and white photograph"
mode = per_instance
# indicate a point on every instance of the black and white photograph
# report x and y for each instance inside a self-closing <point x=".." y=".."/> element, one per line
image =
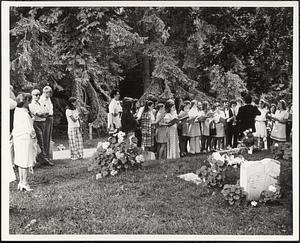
<point x="150" y="120"/>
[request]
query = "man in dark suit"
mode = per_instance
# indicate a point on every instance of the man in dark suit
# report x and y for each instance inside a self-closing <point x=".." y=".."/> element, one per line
<point x="233" y="131"/>
<point x="246" y="115"/>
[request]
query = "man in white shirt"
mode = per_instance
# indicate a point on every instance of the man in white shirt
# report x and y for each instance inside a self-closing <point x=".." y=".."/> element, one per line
<point x="226" y="112"/>
<point x="39" y="115"/>
<point x="45" y="101"/>
<point x="114" y="112"/>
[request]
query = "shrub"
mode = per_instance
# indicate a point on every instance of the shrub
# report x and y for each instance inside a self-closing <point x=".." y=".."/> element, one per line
<point x="119" y="153"/>
<point x="234" y="194"/>
<point x="216" y="168"/>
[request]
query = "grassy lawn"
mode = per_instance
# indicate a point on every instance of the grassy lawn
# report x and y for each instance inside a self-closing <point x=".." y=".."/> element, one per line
<point x="152" y="200"/>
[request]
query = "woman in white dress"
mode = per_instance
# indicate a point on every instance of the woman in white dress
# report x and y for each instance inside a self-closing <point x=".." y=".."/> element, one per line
<point x="260" y="124"/>
<point x="172" y="134"/>
<point x="12" y="175"/>
<point x="219" y="119"/>
<point x="281" y="116"/>
<point x="194" y="129"/>
<point x="24" y="139"/>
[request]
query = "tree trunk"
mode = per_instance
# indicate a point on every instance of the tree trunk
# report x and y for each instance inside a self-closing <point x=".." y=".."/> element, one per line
<point x="146" y="76"/>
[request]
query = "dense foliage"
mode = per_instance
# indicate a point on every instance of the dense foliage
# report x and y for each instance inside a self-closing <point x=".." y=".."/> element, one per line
<point x="119" y="153"/>
<point x="89" y="51"/>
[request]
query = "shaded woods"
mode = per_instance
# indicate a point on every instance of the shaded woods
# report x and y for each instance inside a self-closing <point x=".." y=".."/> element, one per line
<point x="87" y="52"/>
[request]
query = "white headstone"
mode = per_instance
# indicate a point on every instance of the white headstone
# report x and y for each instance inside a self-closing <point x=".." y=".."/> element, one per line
<point x="256" y="176"/>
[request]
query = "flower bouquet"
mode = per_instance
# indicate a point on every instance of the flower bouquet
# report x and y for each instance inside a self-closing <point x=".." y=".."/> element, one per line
<point x="248" y="140"/>
<point x="234" y="194"/>
<point x="118" y="153"/>
<point x="271" y="195"/>
<point x="214" y="174"/>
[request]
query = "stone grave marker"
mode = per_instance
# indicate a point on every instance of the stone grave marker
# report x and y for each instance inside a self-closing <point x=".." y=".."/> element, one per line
<point x="256" y="176"/>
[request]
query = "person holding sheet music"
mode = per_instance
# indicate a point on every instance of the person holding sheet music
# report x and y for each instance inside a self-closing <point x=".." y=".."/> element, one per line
<point x="205" y="124"/>
<point x="219" y="119"/>
<point x="161" y="132"/>
<point x="194" y="128"/>
<point x="184" y="127"/>
<point x="233" y="130"/>
<point x="171" y="120"/>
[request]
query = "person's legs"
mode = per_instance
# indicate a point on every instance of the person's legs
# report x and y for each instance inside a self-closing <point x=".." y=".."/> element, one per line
<point x="208" y="146"/>
<point x="79" y="142"/>
<point x="48" y="134"/>
<point x="229" y="137"/>
<point x="192" y="145"/>
<point x="39" y="128"/>
<point x="197" y="145"/>
<point x="20" y="177"/>
<point x="71" y="135"/>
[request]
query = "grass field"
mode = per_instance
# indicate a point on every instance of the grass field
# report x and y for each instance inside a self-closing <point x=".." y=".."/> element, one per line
<point x="152" y="200"/>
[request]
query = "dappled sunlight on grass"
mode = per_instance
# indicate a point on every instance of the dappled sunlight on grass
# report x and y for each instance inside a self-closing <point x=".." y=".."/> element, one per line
<point x="151" y="200"/>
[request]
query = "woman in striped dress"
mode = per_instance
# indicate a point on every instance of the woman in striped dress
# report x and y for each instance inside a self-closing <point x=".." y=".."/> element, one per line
<point x="74" y="134"/>
<point x="147" y="119"/>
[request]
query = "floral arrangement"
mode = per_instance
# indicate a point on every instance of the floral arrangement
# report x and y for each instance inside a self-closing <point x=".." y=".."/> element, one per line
<point x="248" y="140"/>
<point x="118" y="153"/>
<point x="214" y="173"/>
<point x="61" y="147"/>
<point x="234" y="194"/>
<point x="270" y="195"/>
<point x="282" y="151"/>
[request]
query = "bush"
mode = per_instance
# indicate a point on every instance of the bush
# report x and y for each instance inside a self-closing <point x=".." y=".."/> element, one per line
<point x="119" y="153"/>
<point x="218" y="169"/>
<point x="234" y="194"/>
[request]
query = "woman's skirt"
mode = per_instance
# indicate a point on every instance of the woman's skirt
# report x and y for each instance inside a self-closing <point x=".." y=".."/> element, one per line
<point x="261" y="129"/>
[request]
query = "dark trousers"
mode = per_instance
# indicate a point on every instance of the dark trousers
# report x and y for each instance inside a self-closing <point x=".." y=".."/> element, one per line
<point x="288" y="130"/>
<point x="48" y="134"/>
<point x="138" y="134"/>
<point x="205" y="142"/>
<point x="233" y="133"/>
<point x="39" y="127"/>
<point x="183" y="140"/>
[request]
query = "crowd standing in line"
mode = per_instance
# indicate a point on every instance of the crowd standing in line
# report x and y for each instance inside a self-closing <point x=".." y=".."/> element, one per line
<point x="199" y="127"/>
<point x="171" y="130"/>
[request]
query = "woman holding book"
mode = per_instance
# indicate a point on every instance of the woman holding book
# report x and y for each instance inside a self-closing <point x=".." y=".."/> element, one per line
<point x="172" y="136"/>
<point x="161" y="132"/>
<point x="219" y="119"/>
<point x="194" y="128"/>
<point x="184" y="127"/>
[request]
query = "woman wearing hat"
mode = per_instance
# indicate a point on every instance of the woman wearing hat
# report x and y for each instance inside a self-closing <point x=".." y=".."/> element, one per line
<point x="260" y="124"/>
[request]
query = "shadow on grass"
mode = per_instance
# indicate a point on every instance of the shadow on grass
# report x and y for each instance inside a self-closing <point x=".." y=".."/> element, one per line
<point x="151" y="200"/>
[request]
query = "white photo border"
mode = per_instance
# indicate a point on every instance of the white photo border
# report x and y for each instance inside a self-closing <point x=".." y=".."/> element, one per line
<point x="5" y="5"/>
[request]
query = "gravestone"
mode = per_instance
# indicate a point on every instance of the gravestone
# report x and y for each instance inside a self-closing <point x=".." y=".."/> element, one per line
<point x="256" y="176"/>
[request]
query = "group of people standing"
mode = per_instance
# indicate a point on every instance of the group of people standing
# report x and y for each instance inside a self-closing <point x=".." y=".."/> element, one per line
<point x="198" y="127"/>
<point x="160" y="126"/>
<point x="31" y="126"/>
